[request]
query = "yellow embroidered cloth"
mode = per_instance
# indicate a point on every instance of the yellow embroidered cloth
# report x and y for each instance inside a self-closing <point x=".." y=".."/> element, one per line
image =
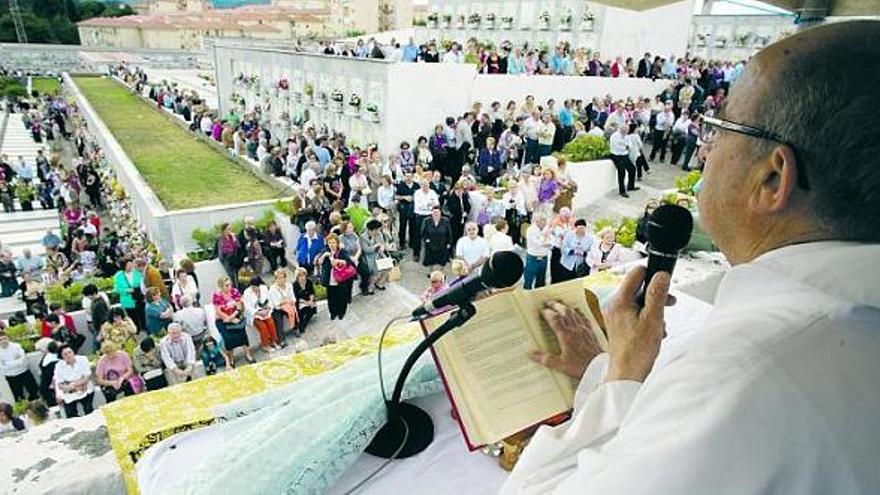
<point x="135" y="423"/>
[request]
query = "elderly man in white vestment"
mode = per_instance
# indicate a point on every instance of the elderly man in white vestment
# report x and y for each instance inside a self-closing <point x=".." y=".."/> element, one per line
<point x="779" y="391"/>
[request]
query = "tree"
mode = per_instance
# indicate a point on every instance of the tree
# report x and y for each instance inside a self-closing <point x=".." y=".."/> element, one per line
<point x="90" y="8"/>
<point x="12" y="88"/>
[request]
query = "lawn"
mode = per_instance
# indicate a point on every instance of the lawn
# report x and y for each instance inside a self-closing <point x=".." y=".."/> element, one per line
<point x="183" y="171"/>
<point x="46" y="85"/>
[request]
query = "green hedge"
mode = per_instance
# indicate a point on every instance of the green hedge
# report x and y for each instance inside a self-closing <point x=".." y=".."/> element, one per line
<point x="586" y="148"/>
<point x="624" y="228"/>
<point x="70" y="297"/>
<point x="207" y="238"/>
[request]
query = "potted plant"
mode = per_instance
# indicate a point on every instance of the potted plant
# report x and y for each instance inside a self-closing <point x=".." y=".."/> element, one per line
<point x="507" y="22"/>
<point x="283" y="84"/>
<point x="372" y="112"/>
<point x="565" y="21"/>
<point x="354" y="105"/>
<point x="432" y="20"/>
<point x="490" y="21"/>
<point x="720" y="41"/>
<point x="474" y="20"/>
<point x="588" y="21"/>
<point x="321" y="100"/>
<point x="459" y="23"/>
<point x="544" y="20"/>
<point x="447" y="21"/>
<point x="742" y="39"/>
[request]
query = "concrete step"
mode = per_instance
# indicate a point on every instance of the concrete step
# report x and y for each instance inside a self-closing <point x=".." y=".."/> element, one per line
<point x="39" y="225"/>
<point x="21" y="238"/>
<point x="10" y="305"/>
<point x="26" y="216"/>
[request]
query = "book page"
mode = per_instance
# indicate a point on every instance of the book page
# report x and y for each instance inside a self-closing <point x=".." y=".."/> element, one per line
<point x="572" y="294"/>
<point x="498" y="390"/>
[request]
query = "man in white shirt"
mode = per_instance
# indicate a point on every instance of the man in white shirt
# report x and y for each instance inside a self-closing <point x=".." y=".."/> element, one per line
<point x="538" y="245"/>
<point x="546" y="132"/>
<point x="453" y="56"/>
<point x="776" y="392"/>
<point x="679" y="134"/>
<point x="14" y="366"/>
<point x="472" y="249"/>
<point x="620" y="151"/>
<point x="192" y="320"/>
<point x="662" y="128"/>
<point x="178" y="353"/>
<point x="424" y="199"/>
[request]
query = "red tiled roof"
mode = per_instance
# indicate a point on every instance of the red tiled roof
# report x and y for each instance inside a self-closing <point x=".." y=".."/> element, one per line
<point x="225" y="19"/>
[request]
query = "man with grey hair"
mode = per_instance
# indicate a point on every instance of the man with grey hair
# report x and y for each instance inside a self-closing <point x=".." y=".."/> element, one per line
<point x="192" y="320"/>
<point x="178" y="353"/>
<point x="777" y="390"/>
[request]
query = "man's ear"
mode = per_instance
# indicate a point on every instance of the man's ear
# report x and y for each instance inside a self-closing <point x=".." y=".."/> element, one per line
<point x="775" y="180"/>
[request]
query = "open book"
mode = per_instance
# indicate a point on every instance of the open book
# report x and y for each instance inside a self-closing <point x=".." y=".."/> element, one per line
<point x="495" y="388"/>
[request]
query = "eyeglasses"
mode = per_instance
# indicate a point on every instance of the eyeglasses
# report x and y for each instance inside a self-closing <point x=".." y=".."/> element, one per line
<point x="709" y="132"/>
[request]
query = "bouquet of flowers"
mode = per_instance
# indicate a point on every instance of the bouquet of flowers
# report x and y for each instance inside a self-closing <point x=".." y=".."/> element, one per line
<point x="507" y="22"/>
<point x="544" y="20"/>
<point x="447" y="20"/>
<point x="432" y="19"/>
<point x="309" y="90"/>
<point x="720" y="41"/>
<point x="373" y="112"/>
<point x="283" y="84"/>
<point x="565" y="20"/>
<point x="354" y="101"/>
<point x="588" y="21"/>
<point x="460" y="22"/>
<point x="490" y="20"/>
<point x="322" y="99"/>
<point x="337" y="95"/>
<point x="474" y="19"/>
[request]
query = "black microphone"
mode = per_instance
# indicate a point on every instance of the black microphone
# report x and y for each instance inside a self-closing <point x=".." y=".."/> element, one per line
<point x="501" y="270"/>
<point x="669" y="231"/>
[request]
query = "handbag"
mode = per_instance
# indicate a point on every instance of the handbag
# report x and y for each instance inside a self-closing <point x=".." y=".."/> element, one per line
<point x="344" y="273"/>
<point x="384" y="264"/>
<point x="394" y="275"/>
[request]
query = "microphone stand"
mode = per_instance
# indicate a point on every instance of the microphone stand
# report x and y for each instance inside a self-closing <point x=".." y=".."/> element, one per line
<point x="409" y="429"/>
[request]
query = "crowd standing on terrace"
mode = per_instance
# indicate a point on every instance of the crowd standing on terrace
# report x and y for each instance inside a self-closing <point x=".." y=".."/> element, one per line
<point x="540" y="59"/>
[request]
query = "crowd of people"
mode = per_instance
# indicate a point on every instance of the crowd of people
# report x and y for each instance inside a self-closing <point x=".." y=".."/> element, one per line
<point x="481" y="182"/>
<point x="531" y="59"/>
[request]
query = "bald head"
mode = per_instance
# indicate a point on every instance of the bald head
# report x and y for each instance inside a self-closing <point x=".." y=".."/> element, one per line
<point x="814" y="90"/>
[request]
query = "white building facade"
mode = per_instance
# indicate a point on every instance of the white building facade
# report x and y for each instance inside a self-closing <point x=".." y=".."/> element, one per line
<point x="544" y="23"/>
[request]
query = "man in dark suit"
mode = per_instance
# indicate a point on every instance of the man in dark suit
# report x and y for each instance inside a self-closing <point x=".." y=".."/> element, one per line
<point x="644" y="69"/>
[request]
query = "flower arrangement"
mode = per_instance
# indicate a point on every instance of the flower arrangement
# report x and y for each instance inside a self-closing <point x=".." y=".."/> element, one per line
<point x="283" y="84"/>
<point x="354" y="101"/>
<point x="309" y="90"/>
<point x="741" y="39"/>
<point x="460" y="22"/>
<point x="247" y="81"/>
<point x="720" y="41"/>
<point x="321" y="101"/>
<point x="432" y="19"/>
<point x="544" y="20"/>
<point x="565" y="20"/>
<point x="588" y="21"/>
<point x="474" y="19"/>
<point x="337" y="95"/>
<point x="490" y="20"/>
<point x="702" y="38"/>
<point x="507" y="22"/>
<point x="447" y="20"/>
<point x="372" y="112"/>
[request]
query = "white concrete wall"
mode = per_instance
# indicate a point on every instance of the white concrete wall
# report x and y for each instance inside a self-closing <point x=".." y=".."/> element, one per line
<point x="661" y="31"/>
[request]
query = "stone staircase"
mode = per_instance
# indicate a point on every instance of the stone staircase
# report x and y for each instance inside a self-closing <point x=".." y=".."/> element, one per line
<point x="22" y="230"/>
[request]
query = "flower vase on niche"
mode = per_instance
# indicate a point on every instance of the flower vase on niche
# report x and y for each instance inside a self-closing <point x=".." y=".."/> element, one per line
<point x="336" y="99"/>
<point x="372" y="112"/>
<point x="354" y="106"/>
<point x="544" y="21"/>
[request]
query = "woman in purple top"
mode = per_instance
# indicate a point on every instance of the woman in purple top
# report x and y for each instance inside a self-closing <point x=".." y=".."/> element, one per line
<point x="548" y="191"/>
<point x="216" y="130"/>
